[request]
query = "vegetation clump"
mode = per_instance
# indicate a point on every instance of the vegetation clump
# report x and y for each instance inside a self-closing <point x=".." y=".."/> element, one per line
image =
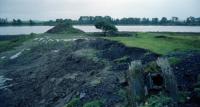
<point x="106" y="27"/>
<point x="12" y="42"/>
<point x="136" y="82"/>
<point x="95" y="103"/>
<point x="73" y="103"/>
<point x="152" y="67"/>
<point x="159" y="100"/>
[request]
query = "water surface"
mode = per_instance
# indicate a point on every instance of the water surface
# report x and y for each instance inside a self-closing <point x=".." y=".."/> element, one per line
<point x="17" y="30"/>
<point x="194" y="29"/>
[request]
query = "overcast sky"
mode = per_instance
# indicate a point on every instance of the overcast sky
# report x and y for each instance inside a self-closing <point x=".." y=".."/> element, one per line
<point x="52" y="9"/>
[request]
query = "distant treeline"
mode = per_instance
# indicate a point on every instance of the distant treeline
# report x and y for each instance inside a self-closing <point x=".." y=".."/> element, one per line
<point x="140" y="21"/>
<point x="19" y="22"/>
<point x="91" y="20"/>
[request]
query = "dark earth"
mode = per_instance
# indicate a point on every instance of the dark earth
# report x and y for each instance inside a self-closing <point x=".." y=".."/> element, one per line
<point x="52" y="75"/>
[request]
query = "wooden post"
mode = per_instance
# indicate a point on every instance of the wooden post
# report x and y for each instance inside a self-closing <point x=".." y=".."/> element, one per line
<point x="136" y="83"/>
<point x="169" y="78"/>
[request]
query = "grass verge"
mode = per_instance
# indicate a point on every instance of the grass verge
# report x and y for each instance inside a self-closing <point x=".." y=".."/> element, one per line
<point x="161" y="43"/>
<point x="6" y="45"/>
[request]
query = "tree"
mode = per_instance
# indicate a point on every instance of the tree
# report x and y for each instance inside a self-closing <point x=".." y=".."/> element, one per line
<point x="106" y="27"/>
<point x="17" y="22"/>
<point x="3" y="21"/>
<point x="198" y="21"/>
<point x="14" y="22"/>
<point x="190" y="21"/>
<point x="163" y="20"/>
<point x="154" y="21"/>
<point x="31" y="22"/>
<point x="145" y="21"/>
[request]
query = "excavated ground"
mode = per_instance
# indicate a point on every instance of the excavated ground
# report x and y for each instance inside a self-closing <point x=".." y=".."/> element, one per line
<point x="52" y="75"/>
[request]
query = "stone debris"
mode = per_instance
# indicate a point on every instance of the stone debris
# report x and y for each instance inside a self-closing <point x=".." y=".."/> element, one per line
<point x="16" y="55"/>
<point x="3" y="57"/>
<point x="56" y="51"/>
<point x="2" y="81"/>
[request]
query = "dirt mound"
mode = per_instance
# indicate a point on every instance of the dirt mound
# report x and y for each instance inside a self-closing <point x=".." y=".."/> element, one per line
<point x="63" y="28"/>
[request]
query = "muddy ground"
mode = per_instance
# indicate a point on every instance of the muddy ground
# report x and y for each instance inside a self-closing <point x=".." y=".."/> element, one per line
<point x="53" y="74"/>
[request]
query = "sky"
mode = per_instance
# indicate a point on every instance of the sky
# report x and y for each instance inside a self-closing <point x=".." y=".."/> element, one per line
<point x="53" y="9"/>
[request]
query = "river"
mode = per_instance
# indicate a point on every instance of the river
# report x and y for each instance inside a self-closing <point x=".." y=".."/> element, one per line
<point x="17" y="30"/>
<point x="194" y="29"/>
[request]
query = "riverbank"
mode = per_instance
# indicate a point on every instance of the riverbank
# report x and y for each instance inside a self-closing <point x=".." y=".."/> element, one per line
<point x="161" y="43"/>
<point x="70" y="68"/>
<point x="135" y="28"/>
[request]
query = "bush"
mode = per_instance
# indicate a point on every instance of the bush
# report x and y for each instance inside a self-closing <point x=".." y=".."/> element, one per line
<point x="106" y="27"/>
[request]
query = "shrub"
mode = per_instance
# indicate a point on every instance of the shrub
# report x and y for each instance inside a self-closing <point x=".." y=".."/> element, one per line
<point x="159" y="100"/>
<point x="106" y="27"/>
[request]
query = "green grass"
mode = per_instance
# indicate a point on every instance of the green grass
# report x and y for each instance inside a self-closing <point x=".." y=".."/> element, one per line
<point x="159" y="100"/>
<point x="174" y="60"/>
<point x="76" y="102"/>
<point x="168" y="43"/>
<point x="95" y="103"/>
<point x="6" y="45"/>
<point x="73" y="103"/>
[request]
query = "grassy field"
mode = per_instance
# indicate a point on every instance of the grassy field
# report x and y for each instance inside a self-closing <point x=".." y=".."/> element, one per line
<point x="9" y="44"/>
<point x="161" y="43"/>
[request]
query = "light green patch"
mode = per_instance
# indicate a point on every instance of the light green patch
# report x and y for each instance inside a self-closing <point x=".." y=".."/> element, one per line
<point x="11" y="44"/>
<point x="95" y="103"/>
<point x="73" y="103"/>
<point x="175" y="42"/>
